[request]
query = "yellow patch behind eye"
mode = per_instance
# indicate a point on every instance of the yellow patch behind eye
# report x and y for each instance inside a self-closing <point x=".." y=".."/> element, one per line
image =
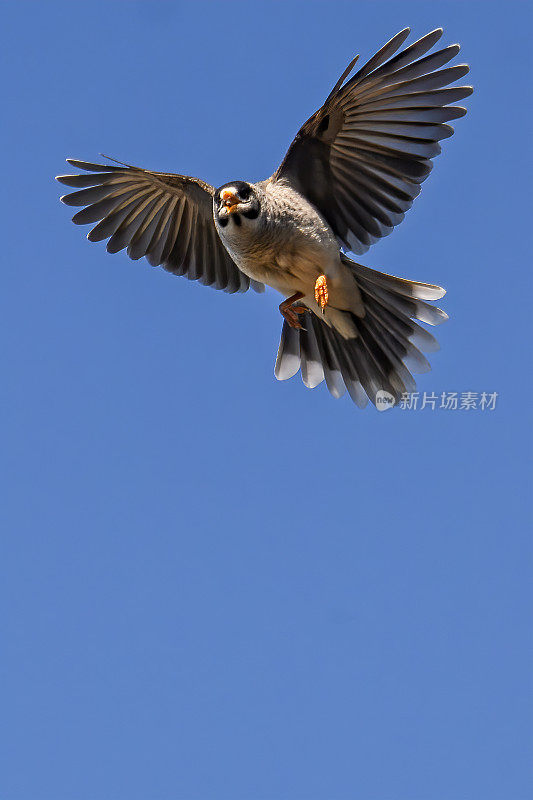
<point x="228" y="193"/>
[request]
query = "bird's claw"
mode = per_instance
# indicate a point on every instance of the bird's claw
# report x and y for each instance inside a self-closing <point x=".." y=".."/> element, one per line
<point x="321" y="292"/>
<point x="292" y="316"/>
<point x="290" y="312"/>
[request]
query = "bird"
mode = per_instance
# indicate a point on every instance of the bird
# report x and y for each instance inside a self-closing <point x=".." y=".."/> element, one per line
<point x="348" y="178"/>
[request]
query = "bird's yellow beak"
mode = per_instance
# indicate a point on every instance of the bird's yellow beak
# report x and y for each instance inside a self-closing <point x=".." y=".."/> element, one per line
<point x="230" y="200"/>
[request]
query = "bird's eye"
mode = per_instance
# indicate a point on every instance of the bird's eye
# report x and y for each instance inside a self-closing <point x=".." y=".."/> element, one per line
<point x="245" y="193"/>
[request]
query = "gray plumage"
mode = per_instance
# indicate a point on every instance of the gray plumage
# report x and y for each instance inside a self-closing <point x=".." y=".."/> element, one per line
<point x="353" y="170"/>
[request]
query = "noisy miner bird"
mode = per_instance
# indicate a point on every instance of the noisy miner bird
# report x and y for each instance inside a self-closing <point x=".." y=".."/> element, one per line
<point x="348" y="178"/>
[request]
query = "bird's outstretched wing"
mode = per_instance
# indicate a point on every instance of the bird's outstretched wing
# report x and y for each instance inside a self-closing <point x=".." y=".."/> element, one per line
<point x="360" y="159"/>
<point x="167" y="218"/>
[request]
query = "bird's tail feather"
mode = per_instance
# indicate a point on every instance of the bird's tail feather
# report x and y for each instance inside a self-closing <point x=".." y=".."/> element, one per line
<point x="384" y="354"/>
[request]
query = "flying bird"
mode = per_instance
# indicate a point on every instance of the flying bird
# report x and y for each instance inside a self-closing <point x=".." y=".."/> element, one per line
<point x="348" y="178"/>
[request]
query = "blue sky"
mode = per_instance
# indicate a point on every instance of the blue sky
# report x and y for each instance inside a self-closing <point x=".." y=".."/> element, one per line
<point x="220" y="586"/>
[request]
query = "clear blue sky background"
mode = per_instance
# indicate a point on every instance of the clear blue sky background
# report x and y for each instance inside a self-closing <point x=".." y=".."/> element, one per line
<point x="218" y="586"/>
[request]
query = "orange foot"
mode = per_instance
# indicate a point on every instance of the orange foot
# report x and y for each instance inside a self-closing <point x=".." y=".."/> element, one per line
<point x="290" y="312"/>
<point x="321" y="291"/>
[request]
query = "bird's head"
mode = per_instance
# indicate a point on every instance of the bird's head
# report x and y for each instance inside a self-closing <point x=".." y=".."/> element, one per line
<point x="234" y="202"/>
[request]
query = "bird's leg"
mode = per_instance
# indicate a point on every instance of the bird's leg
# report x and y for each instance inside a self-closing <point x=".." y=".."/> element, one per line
<point x="290" y="312"/>
<point x="321" y="291"/>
